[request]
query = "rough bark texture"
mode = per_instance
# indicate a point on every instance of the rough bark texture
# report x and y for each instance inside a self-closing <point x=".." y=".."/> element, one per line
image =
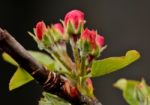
<point x="50" y="81"/>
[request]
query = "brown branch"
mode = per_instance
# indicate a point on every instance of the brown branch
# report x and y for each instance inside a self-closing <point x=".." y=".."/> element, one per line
<point x="50" y="81"/>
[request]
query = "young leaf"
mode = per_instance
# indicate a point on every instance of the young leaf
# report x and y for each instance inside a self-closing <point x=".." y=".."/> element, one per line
<point x="41" y="57"/>
<point x="9" y="59"/>
<point x="134" y="92"/>
<point x="19" y="78"/>
<point x="45" y="60"/>
<point x="50" y="99"/>
<point x="108" y="65"/>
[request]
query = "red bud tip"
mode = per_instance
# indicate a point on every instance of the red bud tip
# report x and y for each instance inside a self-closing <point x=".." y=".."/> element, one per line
<point x="75" y="17"/>
<point x="99" y="40"/>
<point x="39" y="30"/>
<point x="90" y="36"/>
<point x="58" y="27"/>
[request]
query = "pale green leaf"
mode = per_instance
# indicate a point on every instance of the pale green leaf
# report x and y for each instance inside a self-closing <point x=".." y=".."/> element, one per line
<point x="121" y="84"/>
<point x="45" y="60"/>
<point x="9" y="59"/>
<point x="128" y="88"/>
<point x="41" y="57"/>
<point x="50" y="99"/>
<point x="130" y="94"/>
<point x="108" y="65"/>
<point x="134" y="92"/>
<point x="19" y="78"/>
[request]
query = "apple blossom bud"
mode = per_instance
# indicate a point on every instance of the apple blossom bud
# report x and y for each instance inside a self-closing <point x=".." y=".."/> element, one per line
<point x="74" y="21"/>
<point x="90" y="43"/>
<point x="99" y="40"/>
<point x="71" y="90"/>
<point x="89" y="83"/>
<point x="59" y="28"/>
<point x="89" y="36"/>
<point x="90" y="88"/>
<point x="40" y="29"/>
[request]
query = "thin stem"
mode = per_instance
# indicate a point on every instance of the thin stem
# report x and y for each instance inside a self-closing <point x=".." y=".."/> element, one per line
<point x="68" y="60"/>
<point x="58" y="60"/>
<point x="62" y="52"/>
<point x="76" y="54"/>
<point x="82" y="69"/>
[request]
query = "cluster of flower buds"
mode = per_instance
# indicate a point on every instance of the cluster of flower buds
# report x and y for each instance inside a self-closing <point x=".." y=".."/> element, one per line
<point x="49" y="35"/>
<point x="90" y="42"/>
<point x="86" y="45"/>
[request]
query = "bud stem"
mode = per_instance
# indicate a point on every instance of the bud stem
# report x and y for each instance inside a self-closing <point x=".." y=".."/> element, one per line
<point x="57" y="58"/>
<point x="82" y="68"/>
<point x="75" y="54"/>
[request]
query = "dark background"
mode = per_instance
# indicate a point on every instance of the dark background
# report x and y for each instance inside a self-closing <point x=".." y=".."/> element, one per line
<point x="125" y="24"/>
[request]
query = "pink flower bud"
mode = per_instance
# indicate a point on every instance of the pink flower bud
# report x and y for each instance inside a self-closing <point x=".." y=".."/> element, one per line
<point x="76" y="17"/>
<point x="90" y="36"/>
<point x="99" y="40"/>
<point x="39" y="29"/>
<point x="89" y="84"/>
<point x="71" y="90"/>
<point x="58" y="27"/>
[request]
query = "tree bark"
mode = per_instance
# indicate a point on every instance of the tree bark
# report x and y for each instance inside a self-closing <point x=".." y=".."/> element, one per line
<point x="50" y="81"/>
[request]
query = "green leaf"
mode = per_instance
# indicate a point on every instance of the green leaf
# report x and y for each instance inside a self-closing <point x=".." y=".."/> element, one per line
<point x="41" y="57"/>
<point x="44" y="59"/>
<point x="134" y="92"/>
<point x="108" y="65"/>
<point x="130" y="94"/>
<point x="121" y="84"/>
<point x="19" y="78"/>
<point x="128" y="88"/>
<point x="9" y="59"/>
<point x="50" y="99"/>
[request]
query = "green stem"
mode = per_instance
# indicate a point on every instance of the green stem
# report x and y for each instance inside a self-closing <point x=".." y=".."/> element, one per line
<point x="67" y="60"/>
<point x="76" y="54"/>
<point x="57" y="58"/>
<point x="82" y="68"/>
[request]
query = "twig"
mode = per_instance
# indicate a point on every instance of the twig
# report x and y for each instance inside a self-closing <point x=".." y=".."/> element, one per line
<point x="50" y="81"/>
